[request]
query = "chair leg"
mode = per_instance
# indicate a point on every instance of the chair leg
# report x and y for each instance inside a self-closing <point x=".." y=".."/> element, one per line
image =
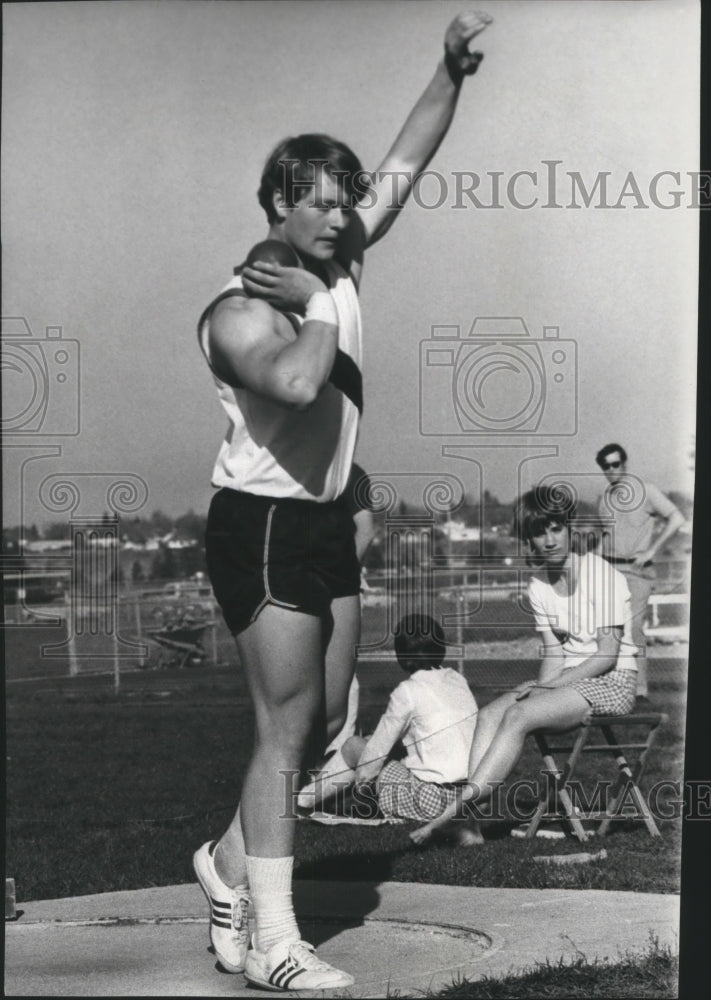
<point x="628" y="783"/>
<point x="560" y="805"/>
<point x="542" y="807"/>
<point x="563" y="803"/>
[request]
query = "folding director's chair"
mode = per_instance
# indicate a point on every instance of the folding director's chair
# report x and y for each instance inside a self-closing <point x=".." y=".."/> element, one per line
<point x="625" y="801"/>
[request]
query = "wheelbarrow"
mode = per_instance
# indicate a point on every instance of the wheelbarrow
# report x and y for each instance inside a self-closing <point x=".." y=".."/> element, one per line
<point x="177" y="642"/>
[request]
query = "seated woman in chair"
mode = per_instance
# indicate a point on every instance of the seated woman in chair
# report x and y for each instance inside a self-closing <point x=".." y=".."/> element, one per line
<point x="581" y="605"/>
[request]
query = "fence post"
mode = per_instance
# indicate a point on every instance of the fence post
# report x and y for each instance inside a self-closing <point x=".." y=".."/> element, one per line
<point x="117" y="662"/>
<point x="213" y="628"/>
<point x="71" y="640"/>
<point x="139" y="633"/>
<point x="461" y="600"/>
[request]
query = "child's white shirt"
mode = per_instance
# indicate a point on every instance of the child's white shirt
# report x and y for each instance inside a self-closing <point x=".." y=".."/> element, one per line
<point x="434" y="713"/>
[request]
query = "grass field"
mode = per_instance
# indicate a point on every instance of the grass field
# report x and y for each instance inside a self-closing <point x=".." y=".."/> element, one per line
<point x="115" y="790"/>
<point x="654" y="974"/>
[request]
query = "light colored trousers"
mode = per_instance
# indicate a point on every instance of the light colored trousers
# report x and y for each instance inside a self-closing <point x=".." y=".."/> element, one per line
<point x="641" y="584"/>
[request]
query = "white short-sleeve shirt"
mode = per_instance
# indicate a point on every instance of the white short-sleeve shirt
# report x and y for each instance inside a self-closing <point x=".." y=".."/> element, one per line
<point x="601" y="599"/>
<point x="434" y="713"/>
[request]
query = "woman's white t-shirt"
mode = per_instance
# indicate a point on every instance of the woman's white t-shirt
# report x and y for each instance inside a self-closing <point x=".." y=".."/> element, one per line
<point x="601" y="599"/>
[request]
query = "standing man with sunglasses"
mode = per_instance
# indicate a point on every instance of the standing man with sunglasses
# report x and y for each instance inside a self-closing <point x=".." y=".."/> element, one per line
<point x="638" y="508"/>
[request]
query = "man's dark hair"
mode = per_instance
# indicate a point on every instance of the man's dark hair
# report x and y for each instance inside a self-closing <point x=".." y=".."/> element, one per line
<point x="291" y="168"/>
<point x="420" y="638"/>
<point x="550" y="503"/>
<point x="609" y="449"/>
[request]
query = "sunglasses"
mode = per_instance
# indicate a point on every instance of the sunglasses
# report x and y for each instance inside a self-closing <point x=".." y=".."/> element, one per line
<point x="611" y="465"/>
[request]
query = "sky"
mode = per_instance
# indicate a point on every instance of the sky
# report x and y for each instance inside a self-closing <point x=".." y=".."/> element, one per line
<point x="133" y="138"/>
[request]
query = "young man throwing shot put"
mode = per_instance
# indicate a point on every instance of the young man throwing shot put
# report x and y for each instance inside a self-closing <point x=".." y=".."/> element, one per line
<point x="286" y="358"/>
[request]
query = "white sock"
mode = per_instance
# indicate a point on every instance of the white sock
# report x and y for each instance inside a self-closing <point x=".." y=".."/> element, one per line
<point x="270" y="885"/>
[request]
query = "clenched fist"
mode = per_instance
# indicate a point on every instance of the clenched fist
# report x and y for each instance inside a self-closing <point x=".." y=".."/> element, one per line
<point x="458" y="58"/>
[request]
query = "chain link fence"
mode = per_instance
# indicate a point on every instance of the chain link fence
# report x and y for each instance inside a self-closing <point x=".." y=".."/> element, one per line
<point x="177" y="625"/>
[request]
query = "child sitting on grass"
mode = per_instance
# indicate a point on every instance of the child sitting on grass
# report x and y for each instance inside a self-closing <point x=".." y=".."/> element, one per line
<point x="433" y="713"/>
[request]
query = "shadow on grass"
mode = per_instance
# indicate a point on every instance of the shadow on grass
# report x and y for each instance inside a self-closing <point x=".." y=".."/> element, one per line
<point x="340" y="907"/>
<point x="359" y="867"/>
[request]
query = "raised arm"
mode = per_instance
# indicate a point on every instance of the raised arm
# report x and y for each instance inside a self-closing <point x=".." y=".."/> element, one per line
<point x="425" y="128"/>
<point x="249" y="348"/>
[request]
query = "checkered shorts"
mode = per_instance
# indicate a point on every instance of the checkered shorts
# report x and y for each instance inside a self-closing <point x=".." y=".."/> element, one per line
<point x="611" y="694"/>
<point x="403" y="795"/>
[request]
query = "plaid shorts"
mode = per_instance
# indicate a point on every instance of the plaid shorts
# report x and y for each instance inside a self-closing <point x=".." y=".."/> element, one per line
<point x="402" y="795"/>
<point x="611" y="694"/>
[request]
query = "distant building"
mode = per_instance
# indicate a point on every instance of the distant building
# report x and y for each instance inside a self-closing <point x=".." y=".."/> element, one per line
<point x="458" y="531"/>
<point x="47" y="545"/>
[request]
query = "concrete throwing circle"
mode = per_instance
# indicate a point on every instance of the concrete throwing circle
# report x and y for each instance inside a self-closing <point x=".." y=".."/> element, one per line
<point x="166" y="956"/>
<point x="398" y="952"/>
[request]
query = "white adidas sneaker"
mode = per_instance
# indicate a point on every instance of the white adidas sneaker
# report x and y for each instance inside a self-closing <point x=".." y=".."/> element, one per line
<point x="292" y="965"/>
<point x="229" y="929"/>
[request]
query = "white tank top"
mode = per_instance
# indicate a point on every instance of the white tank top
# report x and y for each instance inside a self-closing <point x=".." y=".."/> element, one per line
<point x="274" y="450"/>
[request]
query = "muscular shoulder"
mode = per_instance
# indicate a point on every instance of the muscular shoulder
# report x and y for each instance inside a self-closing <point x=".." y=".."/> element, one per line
<point x="241" y="322"/>
<point x="241" y="331"/>
<point x="240" y="314"/>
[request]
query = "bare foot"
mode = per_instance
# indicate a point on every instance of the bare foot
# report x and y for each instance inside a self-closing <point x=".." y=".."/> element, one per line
<point x="468" y="837"/>
<point x="422" y="834"/>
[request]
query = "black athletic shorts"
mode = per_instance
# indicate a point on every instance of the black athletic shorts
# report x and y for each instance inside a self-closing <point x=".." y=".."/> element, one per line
<point x="295" y="554"/>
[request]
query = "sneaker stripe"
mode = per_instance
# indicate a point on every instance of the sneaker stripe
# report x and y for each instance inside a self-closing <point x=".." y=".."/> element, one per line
<point x="221" y="923"/>
<point x="278" y="973"/>
<point x="287" y="978"/>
